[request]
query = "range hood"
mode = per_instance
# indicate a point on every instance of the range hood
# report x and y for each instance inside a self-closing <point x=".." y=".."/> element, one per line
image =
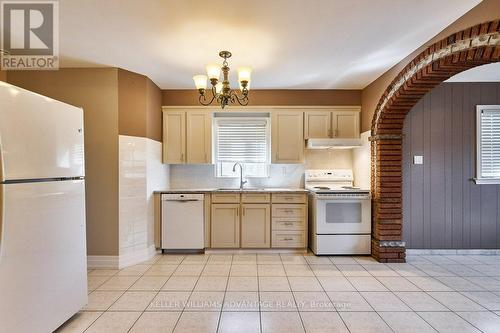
<point x="333" y="143"/>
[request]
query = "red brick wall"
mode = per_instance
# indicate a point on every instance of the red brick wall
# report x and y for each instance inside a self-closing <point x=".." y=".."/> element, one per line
<point x="465" y="49"/>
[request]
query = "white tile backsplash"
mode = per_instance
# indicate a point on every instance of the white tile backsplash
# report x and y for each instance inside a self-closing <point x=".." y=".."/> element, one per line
<point x="280" y="175"/>
<point x="140" y="173"/>
<point x="361" y="162"/>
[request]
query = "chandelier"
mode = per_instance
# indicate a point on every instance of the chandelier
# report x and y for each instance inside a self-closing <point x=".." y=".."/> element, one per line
<point x="221" y="92"/>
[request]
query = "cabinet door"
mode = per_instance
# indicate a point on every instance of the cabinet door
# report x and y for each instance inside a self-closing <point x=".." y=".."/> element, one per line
<point x="317" y="124"/>
<point x="345" y="124"/>
<point x="225" y="221"/>
<point x="198" y="137"/>
<point x="287" y="143"/>
<point x="255" y="226"/>
<point x="174" y="137"/>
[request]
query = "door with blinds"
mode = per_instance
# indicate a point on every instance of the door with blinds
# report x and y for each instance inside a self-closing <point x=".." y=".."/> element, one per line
<point x="243" y="139"/>
<point x="488" y="144"/>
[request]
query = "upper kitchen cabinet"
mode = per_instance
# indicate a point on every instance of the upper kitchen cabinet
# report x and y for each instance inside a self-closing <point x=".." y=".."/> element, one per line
<point x="287" y="143"/>
<point x="345" y="122"/>
<point x="198" y="137"/>
<point x="317" y="124"/>
<point x="174" y="137"/>
<point x="187" y="136"/>
<point x="335" y="122"/>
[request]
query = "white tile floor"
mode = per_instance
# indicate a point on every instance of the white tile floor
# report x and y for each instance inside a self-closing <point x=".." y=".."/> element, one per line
<point x="294" y="293"/>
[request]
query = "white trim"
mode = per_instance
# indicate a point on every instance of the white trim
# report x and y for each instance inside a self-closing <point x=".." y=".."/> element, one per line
<point x="479" y="179"/>
<point x="262" y="108"/>
<point x="417" y="252"/>
<point x="255" y="251"/>
<point x="119" y="262"/>
<point x="250" y="118"/>
<point x="110" y="262"/>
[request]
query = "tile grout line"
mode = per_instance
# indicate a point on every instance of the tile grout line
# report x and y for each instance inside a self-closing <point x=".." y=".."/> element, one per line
<point x="328" y="296"/>
<point x="293" y="294"/>
<point x="123" y="293"/>
<point x="157" y="293"/>
<point x="362" y="296"/>
<point x="224" y="297"/>
<point x="143" y="311"/>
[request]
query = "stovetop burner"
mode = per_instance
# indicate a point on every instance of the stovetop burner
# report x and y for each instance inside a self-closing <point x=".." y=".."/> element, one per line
<point x="332" y="182"/>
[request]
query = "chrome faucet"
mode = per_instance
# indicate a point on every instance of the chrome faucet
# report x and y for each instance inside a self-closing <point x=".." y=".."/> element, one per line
<point x="241" y="174"/>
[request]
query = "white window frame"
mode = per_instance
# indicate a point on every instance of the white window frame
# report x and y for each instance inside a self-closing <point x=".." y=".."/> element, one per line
<point x="246" y="117"/>
<point x="479" y="178"/>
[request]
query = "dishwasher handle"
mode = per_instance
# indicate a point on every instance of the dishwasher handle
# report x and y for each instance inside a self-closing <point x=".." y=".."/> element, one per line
<point x="182" y="200"/>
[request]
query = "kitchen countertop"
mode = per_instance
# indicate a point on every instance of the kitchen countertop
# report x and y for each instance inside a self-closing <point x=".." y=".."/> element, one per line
<point x="237" y="190"/>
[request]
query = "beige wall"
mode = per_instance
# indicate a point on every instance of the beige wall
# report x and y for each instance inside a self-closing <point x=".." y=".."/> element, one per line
<point x="274" y="97"/>
<point x="139" y="105"/>
<point x="487" y="10"/>
<point x="153" y="111"/>
<point x="96" y="90"/>
<point x="131" y="103"/>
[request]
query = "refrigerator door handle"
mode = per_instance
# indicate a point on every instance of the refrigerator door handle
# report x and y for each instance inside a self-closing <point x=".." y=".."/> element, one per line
<point x="2" y="196"/>
<point x="2" y="187"/>
<point x="1" y="163"/>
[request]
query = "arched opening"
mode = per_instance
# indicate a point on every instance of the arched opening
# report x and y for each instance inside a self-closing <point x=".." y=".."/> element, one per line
<point x="475" y="46"/>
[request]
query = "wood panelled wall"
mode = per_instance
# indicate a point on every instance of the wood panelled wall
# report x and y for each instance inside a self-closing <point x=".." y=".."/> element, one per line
<point x="443" y="208"/>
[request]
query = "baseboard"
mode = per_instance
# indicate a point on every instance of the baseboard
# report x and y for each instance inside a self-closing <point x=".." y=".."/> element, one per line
<point x="484" y="252"/>
<point x="109" y="262"/>
<point x="119" y="262"/>
<point x="255" y="251"/>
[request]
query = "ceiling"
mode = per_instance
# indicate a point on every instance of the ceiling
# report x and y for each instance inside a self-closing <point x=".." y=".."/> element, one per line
<point x="290" y="44"/>
<point x="484" y="73"/>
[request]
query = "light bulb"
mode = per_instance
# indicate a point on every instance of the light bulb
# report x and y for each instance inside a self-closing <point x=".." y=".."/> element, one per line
<point x="244" y="74"/>
<point x="213" y="72"/>
<point x="200" y="81"/>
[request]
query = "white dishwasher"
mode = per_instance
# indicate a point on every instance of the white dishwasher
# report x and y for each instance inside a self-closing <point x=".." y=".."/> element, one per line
<point x="182" y="221"/>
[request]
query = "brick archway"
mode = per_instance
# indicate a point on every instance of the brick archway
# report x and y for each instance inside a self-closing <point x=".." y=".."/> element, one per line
<point x="475" y="46"/>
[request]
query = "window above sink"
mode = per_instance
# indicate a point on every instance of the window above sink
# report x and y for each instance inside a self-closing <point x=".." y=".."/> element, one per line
<point x="244" y="139"/>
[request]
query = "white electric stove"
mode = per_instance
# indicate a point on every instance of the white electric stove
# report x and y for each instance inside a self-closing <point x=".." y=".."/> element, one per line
<point x="339" y="213"/>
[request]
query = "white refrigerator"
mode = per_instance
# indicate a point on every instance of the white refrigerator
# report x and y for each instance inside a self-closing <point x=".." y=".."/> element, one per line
<point x="43" y="270"/>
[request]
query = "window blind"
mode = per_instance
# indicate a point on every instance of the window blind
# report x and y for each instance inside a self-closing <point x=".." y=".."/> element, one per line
<point x="242" y="140"/>
<point x="489" y="143"/>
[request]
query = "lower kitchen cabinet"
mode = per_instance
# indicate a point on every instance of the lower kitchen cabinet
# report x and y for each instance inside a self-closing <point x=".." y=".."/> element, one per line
<point x="255" y="226"/>
<point x="258" y="220"/>
<point x="225" y="226"/>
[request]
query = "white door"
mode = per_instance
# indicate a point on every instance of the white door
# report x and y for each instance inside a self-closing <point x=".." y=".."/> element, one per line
<point x="43" y="270"/>
<point x="39" y="137"/>
<point x="343" y="216"/>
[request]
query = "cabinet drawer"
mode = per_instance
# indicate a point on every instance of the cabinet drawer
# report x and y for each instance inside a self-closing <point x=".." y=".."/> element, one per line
<point x="294" y="211"/>
<point x="289" y="198"/>
<point x="290" y="239"/>
<point x="255" y="197"/>
<point x="225" y="197"/>
<point x="289" y="224"/>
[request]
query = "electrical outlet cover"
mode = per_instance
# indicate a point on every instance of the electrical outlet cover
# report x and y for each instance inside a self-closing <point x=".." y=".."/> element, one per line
<point x="418" y="159"/>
